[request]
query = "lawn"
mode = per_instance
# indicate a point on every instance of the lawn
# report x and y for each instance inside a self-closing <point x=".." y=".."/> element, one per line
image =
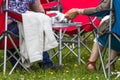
<point x="69" y="71"/>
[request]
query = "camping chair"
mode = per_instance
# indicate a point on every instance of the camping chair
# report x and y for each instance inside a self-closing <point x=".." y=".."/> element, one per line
<point x="113" y="35"/>
<point x="72" y="32"/>
<point x="8" y="39"/>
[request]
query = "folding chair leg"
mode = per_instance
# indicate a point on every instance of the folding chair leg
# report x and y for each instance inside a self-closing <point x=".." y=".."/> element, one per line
<point x="5" y="41"/>
<point x="5" y="55"/>
<point x="101" y="59"/>
<point x="14" y="66"/>
<point x="18" y="62"/>
<point x="6" y="60"/>
<point x="103" y="67"/>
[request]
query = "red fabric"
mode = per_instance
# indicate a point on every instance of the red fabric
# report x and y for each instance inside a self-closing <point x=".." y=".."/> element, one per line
<point x="2" y="29"/>
<point x="2" y="22"/>
<point x="1" y="2"/>
<point x="15" y="15"/>
<point x="68" y="4"/>
<point x="45" y="1"/>
<point x="48" y="5"/>
<point x="9" y="44"/>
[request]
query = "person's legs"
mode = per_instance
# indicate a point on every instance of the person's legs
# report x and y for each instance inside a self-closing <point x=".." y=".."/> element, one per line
<point x="12" y="60"/>
<point x="113" y="54"/>
<point x="114" y="46"/>
<point x="93" y="57"/>
<point x="12" y="27"/>
<point x="46" y="63"/>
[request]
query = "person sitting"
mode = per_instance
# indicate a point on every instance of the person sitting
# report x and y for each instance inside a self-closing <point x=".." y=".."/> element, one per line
<point x="21" y="7"/>
<point x="104" y="5"/>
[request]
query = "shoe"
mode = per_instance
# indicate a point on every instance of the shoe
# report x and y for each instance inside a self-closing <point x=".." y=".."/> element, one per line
<point x="47" y="66"/>
<point x="112" y="66"/>
<point x="91" y="66"/>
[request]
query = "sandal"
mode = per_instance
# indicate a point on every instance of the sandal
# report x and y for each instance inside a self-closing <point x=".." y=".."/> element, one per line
<point x="112" y="66"/>
<point x="91" y="66"/>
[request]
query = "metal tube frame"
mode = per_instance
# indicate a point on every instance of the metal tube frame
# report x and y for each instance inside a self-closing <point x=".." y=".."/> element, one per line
<point x="5" y="41"/>
<point x="109" y="38"/>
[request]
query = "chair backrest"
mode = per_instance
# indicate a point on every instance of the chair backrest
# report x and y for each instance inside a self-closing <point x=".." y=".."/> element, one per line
<point x="2" y="17"/>
<point x="1" y="1"/>
<point x="2" y="22"/>
<point x="68" y="4"/>
<point x="116" y="26"/>
<point x="2" y="29"/>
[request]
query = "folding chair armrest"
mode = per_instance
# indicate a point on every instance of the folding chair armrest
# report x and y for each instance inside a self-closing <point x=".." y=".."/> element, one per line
<point x="15" y="15"/>
<point x="101" y="14"/>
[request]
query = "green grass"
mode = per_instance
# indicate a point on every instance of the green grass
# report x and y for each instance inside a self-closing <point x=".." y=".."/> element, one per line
<point x="69" y="71"/>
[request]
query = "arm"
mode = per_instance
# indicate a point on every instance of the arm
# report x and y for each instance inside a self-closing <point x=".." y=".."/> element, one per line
<point x="105" y="5"/>
<point x="37" y="7"/>
<point x="75" y="11"/>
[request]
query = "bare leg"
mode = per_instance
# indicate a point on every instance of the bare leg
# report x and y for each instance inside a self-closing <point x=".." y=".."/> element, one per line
<point x="93" y="57"/>
<point x="113" y="54"/>
<point x="95" y="53"/>
<point x="112" y="57"/>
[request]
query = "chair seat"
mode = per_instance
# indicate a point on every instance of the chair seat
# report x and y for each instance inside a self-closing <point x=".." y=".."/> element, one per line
<point x="9" y="44"/>
<point x="2" y="22"/>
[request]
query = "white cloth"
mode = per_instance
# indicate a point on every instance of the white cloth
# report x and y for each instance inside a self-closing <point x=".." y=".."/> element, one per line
<point x="36" y="36"/>
<point x="105" y="18"/>
<point x="59" y="17"/>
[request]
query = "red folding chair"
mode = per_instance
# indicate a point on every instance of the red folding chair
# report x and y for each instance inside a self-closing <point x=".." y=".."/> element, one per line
<point x="8" y="40"/>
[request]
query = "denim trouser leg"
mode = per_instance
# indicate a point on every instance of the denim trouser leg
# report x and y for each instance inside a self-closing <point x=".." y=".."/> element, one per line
<point x="46" y="60"/>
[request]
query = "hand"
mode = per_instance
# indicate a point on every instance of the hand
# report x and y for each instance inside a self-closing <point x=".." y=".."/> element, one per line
<point x="9" y="21"/>
<point x="72" y="13"/>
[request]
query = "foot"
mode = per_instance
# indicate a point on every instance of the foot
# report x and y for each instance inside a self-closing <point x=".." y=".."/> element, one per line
<point x="91" y="66"/>
<point x="47" y="66"/>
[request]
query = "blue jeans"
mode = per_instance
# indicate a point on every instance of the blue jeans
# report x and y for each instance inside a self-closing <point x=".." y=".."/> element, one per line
<point x="46" y="58"/>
